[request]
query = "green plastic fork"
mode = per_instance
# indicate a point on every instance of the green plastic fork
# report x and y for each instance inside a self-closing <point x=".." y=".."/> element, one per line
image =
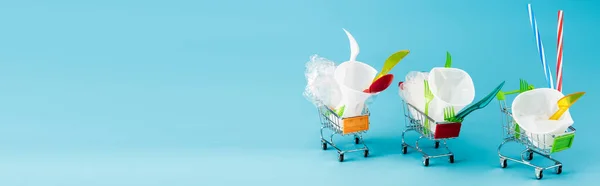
<point x="428" y="98"/>
<point x="448" y="60"/>
<point x="449" y="113"/>
<point x="523" y="87"/>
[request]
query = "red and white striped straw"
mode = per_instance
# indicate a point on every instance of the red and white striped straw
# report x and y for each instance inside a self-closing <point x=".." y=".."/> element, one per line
<point x="559" y="52"/>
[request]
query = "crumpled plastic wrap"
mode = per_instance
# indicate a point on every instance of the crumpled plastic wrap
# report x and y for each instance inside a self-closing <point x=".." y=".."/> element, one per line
<point x="413" y="91"/>
<point x="321" y="87"/>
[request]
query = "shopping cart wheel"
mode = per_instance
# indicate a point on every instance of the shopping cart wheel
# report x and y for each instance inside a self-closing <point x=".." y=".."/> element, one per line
<point x="559" y="169"/>
<point x="366" y="153"/>
<point x="324" y="145"/>
<point x="539" y="174"/>
<point x="437" y="144"/>
<point x="503" y="163"/>
<point x="404" y="149"/>
<point x="341" y="157"/>
<point x="425" y="161"/>
<point x="530" y="156"/>
<point x="356" y="140"/>
<point x="451" y="158"/>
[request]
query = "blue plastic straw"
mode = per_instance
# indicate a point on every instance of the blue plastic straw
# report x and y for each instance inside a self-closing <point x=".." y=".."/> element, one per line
<point x="540" y="47"/>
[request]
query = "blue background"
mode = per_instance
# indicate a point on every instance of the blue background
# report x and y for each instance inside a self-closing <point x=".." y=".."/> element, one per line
<point x="189" y="92"/>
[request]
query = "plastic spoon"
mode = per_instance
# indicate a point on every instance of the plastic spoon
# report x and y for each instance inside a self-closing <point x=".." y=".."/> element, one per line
<point x="380" y="84"/>
<point x="479" y="105"/>
<point x="564" y="104"/>
<point x="390" y="62"/>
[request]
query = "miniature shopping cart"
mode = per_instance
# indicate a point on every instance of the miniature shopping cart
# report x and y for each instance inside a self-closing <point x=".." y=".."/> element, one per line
<point x="443" y="131"/>
<point x="534" y="143"/>
<point x="350" y="126"/>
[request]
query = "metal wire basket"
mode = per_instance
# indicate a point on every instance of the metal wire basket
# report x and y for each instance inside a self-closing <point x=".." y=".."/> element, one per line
<point x="417" y="121"/>
<point x="350" y="126"/>
<point x="542" y="144"/>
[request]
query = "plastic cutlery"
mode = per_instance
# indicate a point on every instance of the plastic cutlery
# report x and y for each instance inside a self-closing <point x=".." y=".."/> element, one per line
<point x="448" y="60"/>
<point x="449" y="113"/>
<point x="523" y="87"/>
<point x="380" y="84"/>
<point x="340" y="111"/>
<point x="354" y="49"/>
<point x="479" y="105"/>
<point x="428" y="98"/>
<point x="390" y="62"/>
<point x="564" y="104"/>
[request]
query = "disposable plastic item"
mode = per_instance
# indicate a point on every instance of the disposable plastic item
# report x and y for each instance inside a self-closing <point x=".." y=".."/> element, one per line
<point x="328" y="91"/>
<point x="354" y="48"/>
<point x="478" y="105"/>
<point x="321" y="87"/>
<point x="380" y="84"/>
<point x="353" y="77"/>
<point x="532" y="110"/>
<point x="566" y="102"/>
<point x="450" y="87"/>
<point x="390" y="62"/>
<point x="413" y="90"/>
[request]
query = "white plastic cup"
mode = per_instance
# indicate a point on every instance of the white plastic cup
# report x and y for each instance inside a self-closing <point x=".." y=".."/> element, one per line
<point x="532" y="110"/>
<point x="353" y="78"/>
<point x="450" y="87"/>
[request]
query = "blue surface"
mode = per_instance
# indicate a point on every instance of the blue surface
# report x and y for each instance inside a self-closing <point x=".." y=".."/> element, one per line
<point x="210" y="92"/>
